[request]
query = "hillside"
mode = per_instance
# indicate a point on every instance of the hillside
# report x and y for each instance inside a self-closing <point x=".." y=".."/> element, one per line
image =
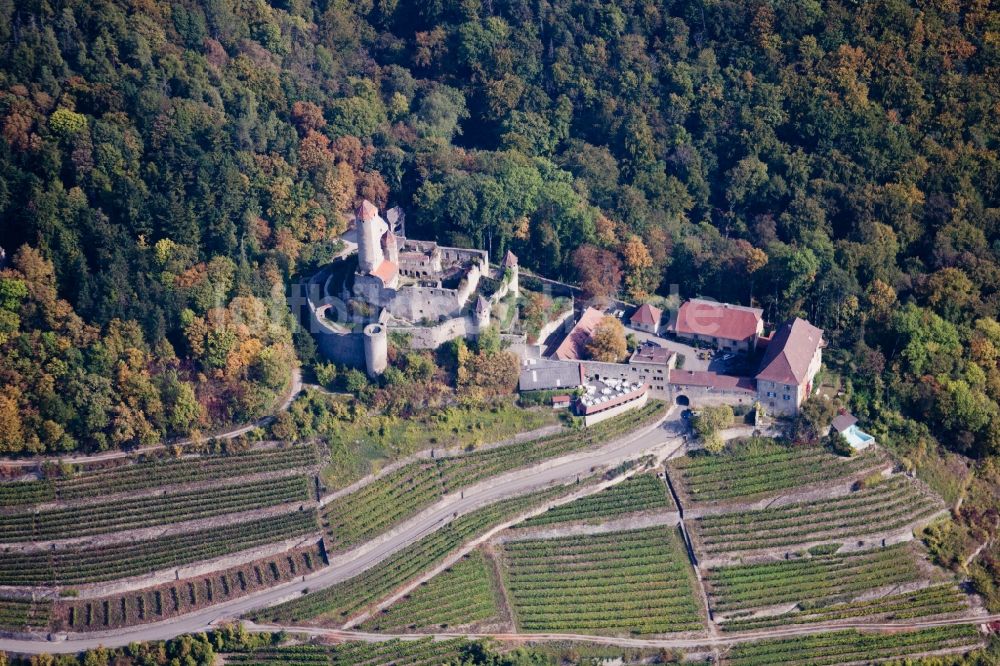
<point x="167" y="170"/>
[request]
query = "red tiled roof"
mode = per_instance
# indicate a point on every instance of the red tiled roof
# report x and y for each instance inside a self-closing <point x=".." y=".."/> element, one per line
<point x="711" y="380"/>
<point x="647" y="315"/>
<point x="572" y="347"/>
<point x="718" y="320"/>
<point x="386" y="271"/>
<point x="559" y="399"/>
<point x="509" y="260"/>
<point x="790" y="352"/>
<point x="614" y="402"/>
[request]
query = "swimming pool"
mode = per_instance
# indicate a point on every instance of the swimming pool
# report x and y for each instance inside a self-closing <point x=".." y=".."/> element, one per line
<point x="857" y="437"/>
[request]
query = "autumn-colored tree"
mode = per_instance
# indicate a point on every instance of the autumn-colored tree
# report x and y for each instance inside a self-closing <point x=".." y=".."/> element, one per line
<point x="599" y="271"/>
<point x="314" y="151"/>
<point x="640" y="274"/>
<point x="490" y="374"/>
<point x="11" y="428"/>
<point x="880" y="298"/>
<point x="608" y="343"/>
<point x="307" y="116"/>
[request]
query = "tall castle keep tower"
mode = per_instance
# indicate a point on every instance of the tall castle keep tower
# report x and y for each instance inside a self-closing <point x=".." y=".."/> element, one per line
<point x="376" y="345"/>
<point x="371" y="227"/>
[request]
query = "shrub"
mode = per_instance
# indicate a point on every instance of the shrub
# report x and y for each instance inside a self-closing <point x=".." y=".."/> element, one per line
<point x="870" y="481"/>
<point x="825" y="549"/>
<point x="838" y="444"/>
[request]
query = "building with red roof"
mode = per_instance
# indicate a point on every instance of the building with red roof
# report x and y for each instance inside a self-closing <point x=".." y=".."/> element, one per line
<point x="574" y="345"/>
<point x="722" y="325"/>
<point x="647" y="318"/>
<point x="793" y="357"/>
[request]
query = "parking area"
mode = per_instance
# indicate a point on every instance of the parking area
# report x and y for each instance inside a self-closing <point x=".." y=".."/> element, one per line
<point x="694" y="358"/>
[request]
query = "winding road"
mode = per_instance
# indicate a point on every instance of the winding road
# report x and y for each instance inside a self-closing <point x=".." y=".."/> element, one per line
<point x="652" y="439"/>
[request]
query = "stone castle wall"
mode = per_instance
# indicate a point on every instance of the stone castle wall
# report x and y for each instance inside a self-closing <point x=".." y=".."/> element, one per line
<point x="432" y="337"/>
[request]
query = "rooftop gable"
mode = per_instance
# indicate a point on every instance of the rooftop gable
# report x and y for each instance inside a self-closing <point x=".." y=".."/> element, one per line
<point x="790" y="352"/>
<point x="386" y="271"/>
<point x="719" y="320"/>
<point x="573" y="346"/>
<point x="647" y="315"/>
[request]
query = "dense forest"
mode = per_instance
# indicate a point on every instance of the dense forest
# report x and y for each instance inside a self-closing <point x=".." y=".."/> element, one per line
<point x="167" y="168"/>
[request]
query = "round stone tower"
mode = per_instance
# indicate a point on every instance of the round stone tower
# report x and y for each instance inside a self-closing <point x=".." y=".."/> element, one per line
<point x="376" y="340"/>
<point x="370" y="229"/>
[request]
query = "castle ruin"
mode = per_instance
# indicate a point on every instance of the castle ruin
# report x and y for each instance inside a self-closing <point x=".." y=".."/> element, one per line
<point x="429" y="292"/>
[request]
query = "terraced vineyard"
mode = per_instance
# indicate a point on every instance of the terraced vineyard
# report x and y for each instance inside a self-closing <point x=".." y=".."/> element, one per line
<point x="19" y="493"/>
<point x="843" y="647"/>
<point x="127" y="477"/>
<point x="461" y="595"/>
<point x="164" y="471"/>
<point x="78" y="565"/>
<point x="645" y="492"/>
<point x="758" y="469"/>
<point x="179" y="597"/>
<point x="338" y="602"/>
<point x="809" y="580"/>
<point x="423" y="652"/>
<point x="637" y="581"/>
<point x="890" y="505"/>
<point x="933" y="601"/>
<point x="357" y="517"/>
<point x="20" y="614"/>
<point x="148" y="511"/>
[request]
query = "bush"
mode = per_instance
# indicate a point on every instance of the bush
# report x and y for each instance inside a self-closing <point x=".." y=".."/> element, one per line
<point x="709" y="421"/>
<point x="870" y="481"/>
<point x="838" y="444"/>
<point x="824" y="549"/>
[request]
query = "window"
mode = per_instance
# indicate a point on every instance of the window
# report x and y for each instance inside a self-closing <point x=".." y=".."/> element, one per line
<point x="786" y="397"/>
<point x="772" y="394"/>
<point x="787" y="387"/>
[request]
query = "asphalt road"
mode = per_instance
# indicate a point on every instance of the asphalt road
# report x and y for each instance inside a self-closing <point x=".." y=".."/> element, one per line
<point x="563" y="469"/>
